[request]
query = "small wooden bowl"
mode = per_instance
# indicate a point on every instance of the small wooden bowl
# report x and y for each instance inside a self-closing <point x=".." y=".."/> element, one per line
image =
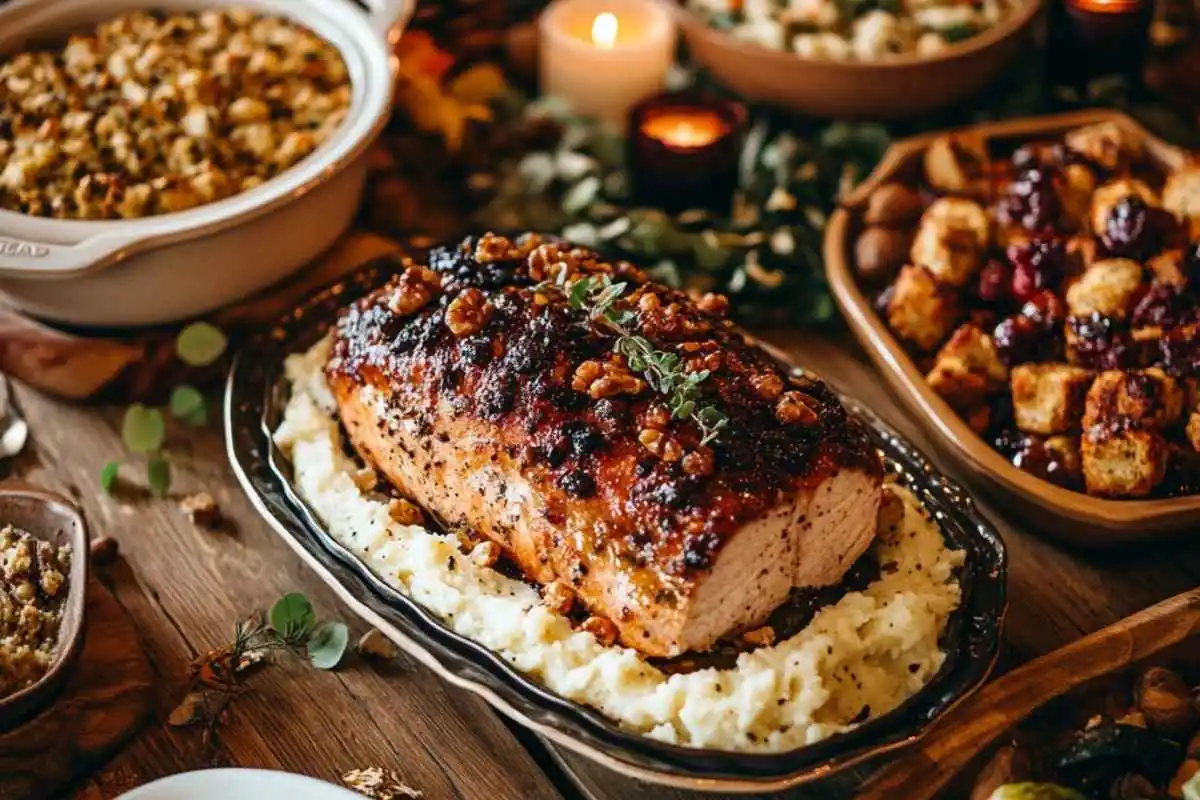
<point x="54" y="519"/>
<point x="1163" y="635"/>
<point x="1074" y="517"/>
<point x="900" y="86"/>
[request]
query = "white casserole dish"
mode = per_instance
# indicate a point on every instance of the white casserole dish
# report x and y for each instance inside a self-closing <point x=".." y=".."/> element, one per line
<point x="174" y="266"/>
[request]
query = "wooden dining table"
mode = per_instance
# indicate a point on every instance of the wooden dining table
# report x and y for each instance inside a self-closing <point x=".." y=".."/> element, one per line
<point x="183" y="586"/>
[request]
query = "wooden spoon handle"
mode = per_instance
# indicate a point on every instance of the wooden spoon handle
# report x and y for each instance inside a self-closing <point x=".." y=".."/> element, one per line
<point x="966" y="730"/>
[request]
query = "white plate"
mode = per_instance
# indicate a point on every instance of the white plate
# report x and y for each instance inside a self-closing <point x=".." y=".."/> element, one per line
<point x="239" y="784"/>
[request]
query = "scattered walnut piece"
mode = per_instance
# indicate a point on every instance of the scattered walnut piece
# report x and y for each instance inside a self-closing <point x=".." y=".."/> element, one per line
<point x="492" y="247"/>
<point x="552" y="262"/>
<point x="605" y="379"/>
<point x="715" y="304"/>
<point x="374" y="644"/>
<point x="767" y="385"/>
<point x="558" y="596"/>
<point x="468" y="313"/>
<point x="415" y="287"/>
<point x="661" y="444"/>
<point x="760" y="637"/>
<point x="404" y="512"/>
<point x="700" y="461"/>
<point x="604" y="631"/>
<point x="201" y="509"/>
<point x="379" y="784"/>
<point x="794" y="408"/>
<point x="365" y="478"/>
<point x="1164" y="698"/>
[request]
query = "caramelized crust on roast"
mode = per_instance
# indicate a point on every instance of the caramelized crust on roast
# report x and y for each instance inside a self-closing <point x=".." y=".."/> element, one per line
<point x="480" y="393"/>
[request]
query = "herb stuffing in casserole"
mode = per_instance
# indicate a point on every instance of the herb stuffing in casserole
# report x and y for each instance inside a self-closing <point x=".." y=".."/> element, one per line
<point x="151" y="113"/>
<point x="863" y="30"/>
<point x="33" y="588"/>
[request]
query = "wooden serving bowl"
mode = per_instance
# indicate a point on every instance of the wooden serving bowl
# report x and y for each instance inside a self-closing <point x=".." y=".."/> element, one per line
<point x="54" y="519"/>
<point x="900" y="86"/>
<point x="1162" y="635"/>
<point x="1073" y="517"/>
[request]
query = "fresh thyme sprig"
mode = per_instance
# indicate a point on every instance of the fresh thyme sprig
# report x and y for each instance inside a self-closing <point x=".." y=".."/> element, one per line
<point x="663" y="371"/>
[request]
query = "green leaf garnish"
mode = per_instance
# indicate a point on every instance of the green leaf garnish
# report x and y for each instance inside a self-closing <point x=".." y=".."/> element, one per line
<point x="143" y="429"/>
<point x="200" y="344"/>
<point x="958" y="33"/>
<point x="293" y="618"/>
<point x="188" y="405"/>
<point x="108" y="476"/>
<point x="327" y="643"/>
<point x="158" y="475"/>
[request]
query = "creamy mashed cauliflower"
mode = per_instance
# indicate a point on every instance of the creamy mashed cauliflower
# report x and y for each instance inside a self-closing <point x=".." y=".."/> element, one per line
<point x="871" y="649"/>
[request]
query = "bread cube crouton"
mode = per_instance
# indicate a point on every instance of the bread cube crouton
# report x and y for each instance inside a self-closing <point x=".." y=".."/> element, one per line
<point x="1104" y="143"/>
<point x="1181" y="196"/>
<point x="966" y="371"/>
<point x="955" y="166"/>
<point x="1049" y="398"/>
<point x="1167" y="267"/>
<point x="1146" y="399"/>
<point x="1107" y="287"/>
<point x="920" y="311"/>
<point x="1075" y="193"/>
<point x="1193" y="430"/>
<point x="1107" y="196"/>
<point x="1123" y="462"/>
<point x="951" y="239"/>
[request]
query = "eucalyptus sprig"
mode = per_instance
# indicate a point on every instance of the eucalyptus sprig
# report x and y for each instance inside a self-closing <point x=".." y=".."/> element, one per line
<point x="144" y="428"/>
<point x="663" y="371"/>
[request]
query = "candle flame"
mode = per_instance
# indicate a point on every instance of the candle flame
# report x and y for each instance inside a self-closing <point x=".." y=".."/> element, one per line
<point x="604" y="30"/>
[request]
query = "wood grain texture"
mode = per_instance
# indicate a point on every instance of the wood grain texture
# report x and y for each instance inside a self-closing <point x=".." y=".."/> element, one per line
<point x="106" y="698"/>
<point x="1056" y="595"/>
<point x="978" y="722"/>
<point x="185" y="586"/>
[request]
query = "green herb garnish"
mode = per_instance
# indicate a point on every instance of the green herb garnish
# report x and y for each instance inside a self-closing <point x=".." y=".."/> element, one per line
<point x="200" y="344"/>
<point x="663" y="371"/>
<point x="187" y="405"/>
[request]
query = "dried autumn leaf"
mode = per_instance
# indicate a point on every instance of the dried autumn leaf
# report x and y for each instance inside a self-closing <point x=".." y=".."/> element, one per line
<point x="480" y="83"/>
<point x="188" y="712"/>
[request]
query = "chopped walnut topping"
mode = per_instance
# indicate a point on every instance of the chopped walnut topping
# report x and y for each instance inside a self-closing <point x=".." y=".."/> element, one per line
<point x="699" y="462"/>
<point x="468" y="313"/>
<point x="658" y="416"/>
<point x="661" y="444"/>
<point x="768" y="385"/>
<point x="486" y="554"/>
<point x="604" y="631"/>
<point x="366" y="479"/>
<point x="416" y="287"/>
<point x="404" y="512"/>
<point x="715" y="304"/>
<point x="760" y="637"/>
<point x="553" y="261"/>
<point x="793" y="407"/>
<point x="558" y="596"/>
<point x="201" y="509"/>
<point x="649" y="303"/>
<point x="378" y="783"/>
<point x="492" y="247"/>
<point x="605" y="379"/>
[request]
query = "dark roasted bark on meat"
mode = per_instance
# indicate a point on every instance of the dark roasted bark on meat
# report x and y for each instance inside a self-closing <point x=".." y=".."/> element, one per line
<point x="500" y="345"/>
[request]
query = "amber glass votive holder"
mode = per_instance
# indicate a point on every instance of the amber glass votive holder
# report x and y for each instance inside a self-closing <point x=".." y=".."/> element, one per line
<point x="1099" y="37"/>
<point x="684" y="149"/>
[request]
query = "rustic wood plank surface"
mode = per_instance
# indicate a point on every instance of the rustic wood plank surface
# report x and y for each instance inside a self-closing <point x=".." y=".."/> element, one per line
<point x="1056" y="596"/>
<point x="185" y="586"/>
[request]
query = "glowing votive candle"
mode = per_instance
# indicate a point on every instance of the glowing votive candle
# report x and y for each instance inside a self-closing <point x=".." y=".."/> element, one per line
<point x="603" y="56"/>
<point x="1097" y="37"/>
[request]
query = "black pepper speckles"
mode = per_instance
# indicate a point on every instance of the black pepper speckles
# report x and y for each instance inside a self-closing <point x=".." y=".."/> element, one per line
<point x="578" y="484"/>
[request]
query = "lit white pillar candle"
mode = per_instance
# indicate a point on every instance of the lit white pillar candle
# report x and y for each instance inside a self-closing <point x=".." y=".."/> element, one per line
<point x="603" y="56"/>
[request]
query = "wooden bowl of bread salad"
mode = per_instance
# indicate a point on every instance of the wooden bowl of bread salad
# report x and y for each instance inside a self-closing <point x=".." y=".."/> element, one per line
<point x="882" y="60"/>
<point x="1030" y="290"/>
<point x="155" y="165"/>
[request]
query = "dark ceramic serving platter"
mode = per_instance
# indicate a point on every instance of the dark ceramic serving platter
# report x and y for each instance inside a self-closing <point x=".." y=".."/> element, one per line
<point x="255" y="397"/>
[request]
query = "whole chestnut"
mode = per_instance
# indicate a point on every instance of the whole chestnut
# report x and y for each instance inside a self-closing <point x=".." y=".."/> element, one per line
<point x="894" y="205"/>
<point x="879" y="253"/>
<point x="1166" y="701"/>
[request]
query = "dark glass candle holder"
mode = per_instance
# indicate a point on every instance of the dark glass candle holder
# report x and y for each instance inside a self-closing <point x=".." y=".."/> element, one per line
<point x="1099" y="37"/>
<point x="684" y="149"/>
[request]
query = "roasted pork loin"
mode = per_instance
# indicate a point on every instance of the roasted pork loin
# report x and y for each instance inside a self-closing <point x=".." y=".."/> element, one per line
<point x="536" y="395"/>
